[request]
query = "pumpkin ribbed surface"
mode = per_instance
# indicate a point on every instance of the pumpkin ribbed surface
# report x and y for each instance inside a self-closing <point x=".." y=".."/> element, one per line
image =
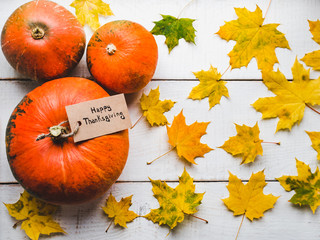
<point x="42" y="40"/>
<point x="62" y="172"/>
<point x="122" y="56"/>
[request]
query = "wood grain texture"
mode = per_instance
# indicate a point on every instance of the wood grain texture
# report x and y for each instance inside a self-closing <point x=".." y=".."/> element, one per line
<point x="209" y="48"/>
<point x="175" y="79"/>
<point x="147" y="143"/>
<point x="284" y="221"/>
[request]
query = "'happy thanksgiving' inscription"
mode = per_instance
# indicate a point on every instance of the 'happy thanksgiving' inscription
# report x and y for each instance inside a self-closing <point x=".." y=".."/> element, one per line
<point x="99" y="117"/>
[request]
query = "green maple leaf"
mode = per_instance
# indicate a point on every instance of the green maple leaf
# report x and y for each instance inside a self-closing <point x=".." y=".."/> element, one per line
<point x="306" y="185"/>
<point x="174" y="29"/>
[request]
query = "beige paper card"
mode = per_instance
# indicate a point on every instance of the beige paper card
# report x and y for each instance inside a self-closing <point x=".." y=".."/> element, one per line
<point x="99" y="117"/>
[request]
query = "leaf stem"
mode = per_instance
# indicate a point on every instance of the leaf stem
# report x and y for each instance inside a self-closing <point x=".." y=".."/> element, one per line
<point x="312" y="108"/>
<point x="240" y="226"/>
<point x="267" y="9"/>
<point x="148" y="163"/>
<point x="225" y="70"/>
<point x="18" y="222"/>
<point x="109" y="226"/>
<point x="277" y="143"/>
<point x="137" y="121"/>
<point x="199" y="218"/>
<point x="184" y="8"/>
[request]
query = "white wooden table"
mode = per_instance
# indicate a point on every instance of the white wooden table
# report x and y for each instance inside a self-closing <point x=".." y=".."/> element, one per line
<point x="175" y="79"/>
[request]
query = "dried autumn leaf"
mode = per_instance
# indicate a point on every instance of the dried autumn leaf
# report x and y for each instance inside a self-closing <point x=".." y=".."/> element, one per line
<point x="153" y="108"/>
<point x="119" y="211"/>
<point x="315" y="139"/>
<point x="254" y="39"/>
<point x="35" y="216"/>
<point x="306" y="185"/>
<point x="174" y="202"/>
<point x="87" y="11"/>
<point x="249" y="199"/>
<point x="291" y="97"/>
<point x="174" y="29"/>
<point x="245" y="143"/>
<point x="313" y="59"/>
<point x="210" y="86"/>
<point x="186" y="138"/>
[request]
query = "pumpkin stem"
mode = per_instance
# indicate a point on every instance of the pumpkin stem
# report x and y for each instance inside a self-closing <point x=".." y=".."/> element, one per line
<point x="37" y="33"/>
<point x="111" y="49"/>
<point x="59" y="132"/>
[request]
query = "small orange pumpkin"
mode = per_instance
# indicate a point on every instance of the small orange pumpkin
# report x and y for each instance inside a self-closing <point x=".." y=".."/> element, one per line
<point x="56" y="169"/>
<point x="43" y="40"/>
<point x="122" y="56"/>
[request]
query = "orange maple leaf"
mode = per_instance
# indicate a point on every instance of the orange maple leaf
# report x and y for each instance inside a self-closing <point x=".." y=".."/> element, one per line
<point x="186" y="138"/>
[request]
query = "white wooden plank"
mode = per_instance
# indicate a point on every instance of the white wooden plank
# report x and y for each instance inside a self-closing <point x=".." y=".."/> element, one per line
<point x="209" y="49"/>
<point x="87" y="221"/>
<point x="147" y="143"/>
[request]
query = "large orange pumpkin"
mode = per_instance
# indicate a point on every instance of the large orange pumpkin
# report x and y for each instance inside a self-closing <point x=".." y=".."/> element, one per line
<point x="56" y="169"/>
<point x="43" y="40"/>
<point x="122" y="56"/>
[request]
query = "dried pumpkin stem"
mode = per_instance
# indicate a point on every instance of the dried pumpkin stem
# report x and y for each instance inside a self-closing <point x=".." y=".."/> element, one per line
<point x="312" y="108"/>
<point x="37" y="33"/>
<point x="199" y="218"/>
<point x="111" y="49"/>
<point x="240" y="226"/>
<point x="59" y="132"/>
<point x="148" y="163"/>
<point x="137" y="121"/>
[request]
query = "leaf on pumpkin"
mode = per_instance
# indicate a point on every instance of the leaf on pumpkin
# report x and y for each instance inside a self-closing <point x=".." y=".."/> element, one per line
<point x="313" y="59"/>
<point x="153" y="108"/>
<point x="249" y="199"/>
<point x="119" y="211"/>
<point x="315" y="139"/>
<point x="174" y="202"/>
<point x="245" y="143"/>
<point x="254" y="40"/>
<point x="186" y="138"/>
<point x="306" y="185"/>
<point x="174" y="29"/>
<point x="291" y="97"/>
<point x="35" y="216"/>
<point x="210" y="86"/>
<point x="87" y="11"/>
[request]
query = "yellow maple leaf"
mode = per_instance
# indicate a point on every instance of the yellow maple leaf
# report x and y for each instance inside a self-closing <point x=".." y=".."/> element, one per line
<point x="35" y="216"/>
<point x="87" y="11"/>
<point x="249" y="199"/>
<point x="315" y="139"/>
<point x="210" y="86"/>
<point x="306" y="185"/>
<point x="186" y="138"/>
<point x="291" y="97"/>
<point x="245" y="143"/>
<point x="153" y="108"/>
<point x="313" y="59"/>
<point x="119" y="211"/>
<point x="254" y="39"/>
<point x="174" y="202"/>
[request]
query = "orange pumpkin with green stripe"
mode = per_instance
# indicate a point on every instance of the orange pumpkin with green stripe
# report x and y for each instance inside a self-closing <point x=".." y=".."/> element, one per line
<point x="56" y="169"/>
